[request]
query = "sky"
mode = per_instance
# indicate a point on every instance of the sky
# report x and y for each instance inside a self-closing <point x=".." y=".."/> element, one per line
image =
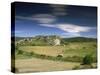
<point x="32" y="19"/>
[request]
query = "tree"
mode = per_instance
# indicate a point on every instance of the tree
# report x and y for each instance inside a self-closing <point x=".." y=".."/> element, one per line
<point x="87" y="60"/>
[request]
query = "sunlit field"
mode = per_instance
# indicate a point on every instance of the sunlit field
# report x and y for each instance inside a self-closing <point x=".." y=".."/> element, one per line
<point x="27" y="63"/>
<point x="72" y="49"/>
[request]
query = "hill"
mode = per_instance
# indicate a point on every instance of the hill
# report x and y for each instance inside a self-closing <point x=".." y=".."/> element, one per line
<point x="49" y="40"/>
<point x="79" y="39"/>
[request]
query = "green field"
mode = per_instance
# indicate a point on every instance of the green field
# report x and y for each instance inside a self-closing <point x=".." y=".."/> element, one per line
<point x="72" y="49"/>
<point x="45" y="57"/>
<point x="38" y="55"/>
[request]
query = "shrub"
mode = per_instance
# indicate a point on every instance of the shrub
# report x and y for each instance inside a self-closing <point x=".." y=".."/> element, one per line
<point x="20" y="52"/>
<point x="28" y="53"/>
<point x="59" y="56"/>
<point x="87" y="60"/>
<point x="42" y="56"/>
<point x="33" y="44"/>
<point x="84" y="47"/>
<point x="50" y="57"/>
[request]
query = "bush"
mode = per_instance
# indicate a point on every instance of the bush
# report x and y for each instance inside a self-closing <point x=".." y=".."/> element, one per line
<point x="87" y="60"/>
<point x="59" y="56"/>
<point x="20" y="52"/>
<point x="33" y="44"/>
<point x="42" y="56"/>
<point x="50" y="57"/>
<point x="84" y="47"/>
<point x="28" y="53"/>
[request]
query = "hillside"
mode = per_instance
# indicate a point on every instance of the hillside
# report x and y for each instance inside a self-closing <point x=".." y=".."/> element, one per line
<point x="79" y="39"/>
<point x="49" y="40"/>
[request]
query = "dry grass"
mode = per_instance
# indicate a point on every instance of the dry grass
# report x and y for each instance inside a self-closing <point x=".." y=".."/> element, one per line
<point x="72" y="49"/>
<point x="47" y="50"/>
<point x="38" y="65"/>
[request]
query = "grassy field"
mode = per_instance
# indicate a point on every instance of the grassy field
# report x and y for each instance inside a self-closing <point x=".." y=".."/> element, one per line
<point x="38" y="65"/>
<point x="72" y="49"/>
<point x="25" y="63"/>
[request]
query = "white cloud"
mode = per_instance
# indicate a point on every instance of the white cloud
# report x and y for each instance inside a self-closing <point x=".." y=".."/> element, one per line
<point x="70" y="30"/>
<point x="24" y="17"/>
<point x="47" y="25"/>
<point x="44" y="18"/>
<point x="73" y="28"/>
<point x="69" y="27"/>
<point x="41" y="18"/>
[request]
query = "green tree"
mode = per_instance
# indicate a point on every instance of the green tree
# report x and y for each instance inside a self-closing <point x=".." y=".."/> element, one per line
<point x="59" y="56"/>
<point x="87" y="60"/>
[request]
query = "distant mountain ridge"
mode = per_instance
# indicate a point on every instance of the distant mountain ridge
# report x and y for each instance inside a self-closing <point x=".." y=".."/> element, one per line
<point x="79" y="39"/>
<point x="72" y="39"/>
